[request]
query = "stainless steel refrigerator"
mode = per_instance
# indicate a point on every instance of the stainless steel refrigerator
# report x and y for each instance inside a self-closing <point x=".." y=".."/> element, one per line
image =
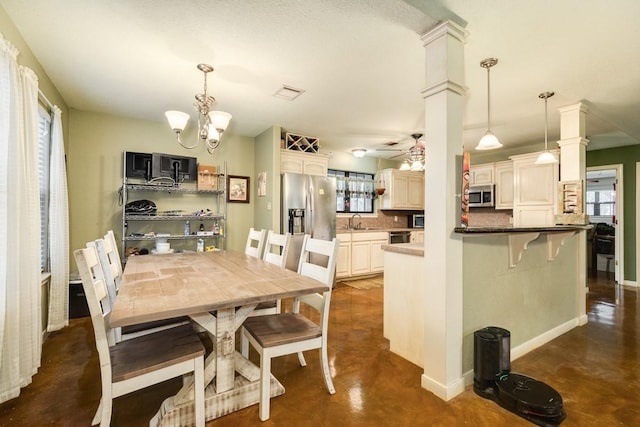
<point x="308" y="207"/>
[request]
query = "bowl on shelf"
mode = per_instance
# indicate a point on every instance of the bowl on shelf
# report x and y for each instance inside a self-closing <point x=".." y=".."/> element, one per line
<point x="163" y="247"/>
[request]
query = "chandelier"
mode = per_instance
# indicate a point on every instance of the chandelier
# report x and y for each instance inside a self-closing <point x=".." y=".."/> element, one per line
<point x="211" y="124"/>
<point x="414" y="161"/>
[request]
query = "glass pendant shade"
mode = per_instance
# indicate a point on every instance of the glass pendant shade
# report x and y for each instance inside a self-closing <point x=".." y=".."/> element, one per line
<point x="177" y="120"/>
<point x="488" y="142"/>
<point x="545" y="158"/>
<point x="405" y="166"/>
<point x="220" y="120"/>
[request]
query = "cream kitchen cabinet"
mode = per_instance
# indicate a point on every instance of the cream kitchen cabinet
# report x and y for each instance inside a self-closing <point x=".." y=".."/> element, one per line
<point x="343" y="263"/>
<point x="504" y="184"/>
<point x="303" y="163"/>
<point x="404" y="190"/>
<point x="361" y="253"/>
<point x="481" y="174"/>
<point x="417" y="237"/>
<point x="535" y="192"/>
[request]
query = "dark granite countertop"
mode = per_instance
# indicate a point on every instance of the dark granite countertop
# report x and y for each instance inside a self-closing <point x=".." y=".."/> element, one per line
<point x="508" y="230"/>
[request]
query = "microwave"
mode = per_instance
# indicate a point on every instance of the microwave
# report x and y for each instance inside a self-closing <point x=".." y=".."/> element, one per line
<point x="416" y="221"/>
<point x="481" y="196"/>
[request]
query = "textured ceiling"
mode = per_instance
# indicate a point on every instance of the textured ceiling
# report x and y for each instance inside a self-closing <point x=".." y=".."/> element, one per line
<point x="360" y="62"/>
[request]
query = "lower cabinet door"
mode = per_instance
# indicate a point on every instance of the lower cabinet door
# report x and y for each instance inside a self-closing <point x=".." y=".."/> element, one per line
<point x="360" y="257"/>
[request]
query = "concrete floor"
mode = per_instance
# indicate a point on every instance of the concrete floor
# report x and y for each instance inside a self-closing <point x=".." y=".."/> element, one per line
<point x="595" y="368"/>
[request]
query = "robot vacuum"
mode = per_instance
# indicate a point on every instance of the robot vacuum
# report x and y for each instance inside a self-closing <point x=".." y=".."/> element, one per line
<point x="517" y="393"/>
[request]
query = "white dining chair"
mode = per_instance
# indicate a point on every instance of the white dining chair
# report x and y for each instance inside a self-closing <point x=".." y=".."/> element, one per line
<point x="275" y="252"/>
<point x="255" y="242"/>
<point x="286" y="333"/>
<point x="106" y="258"/>
<point x="137" y="363"/>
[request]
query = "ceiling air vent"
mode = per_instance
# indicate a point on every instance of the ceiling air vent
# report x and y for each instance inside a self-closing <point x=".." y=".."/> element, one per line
<point x="287" y="92"/>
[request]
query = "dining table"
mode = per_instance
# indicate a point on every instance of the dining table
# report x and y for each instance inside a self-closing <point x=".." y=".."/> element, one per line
<point x="218" y="291"/>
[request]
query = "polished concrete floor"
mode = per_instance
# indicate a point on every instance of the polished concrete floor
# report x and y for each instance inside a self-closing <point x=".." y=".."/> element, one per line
<point x="594" y="367"/>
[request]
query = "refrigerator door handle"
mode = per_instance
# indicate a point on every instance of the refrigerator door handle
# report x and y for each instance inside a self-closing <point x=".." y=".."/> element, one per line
<point x="310" y="212"/>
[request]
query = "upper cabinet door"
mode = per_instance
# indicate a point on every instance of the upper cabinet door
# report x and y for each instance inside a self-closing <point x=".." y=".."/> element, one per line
<point x="304" y="163"/>
<point x="404" y="190"/>
<point x="536" y="191"/>
<point x="504" y="185"/>
<point x="481" y="174"/>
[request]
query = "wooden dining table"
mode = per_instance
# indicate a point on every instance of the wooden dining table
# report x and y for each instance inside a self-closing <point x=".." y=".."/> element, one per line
<point x="218" y="291"/>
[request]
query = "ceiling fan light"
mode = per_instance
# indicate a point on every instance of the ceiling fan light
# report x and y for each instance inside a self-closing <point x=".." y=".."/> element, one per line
<point x="405" y="166"/>
<point x="488" y="142"/>
<point x="546" y="158"/>
<point x="359" y="152"/>
<point x="177" y="120"/>
<point x="416" y="166"/>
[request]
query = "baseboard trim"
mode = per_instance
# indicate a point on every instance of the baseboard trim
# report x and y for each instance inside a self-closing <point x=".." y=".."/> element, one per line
<point x="444" y="392"/>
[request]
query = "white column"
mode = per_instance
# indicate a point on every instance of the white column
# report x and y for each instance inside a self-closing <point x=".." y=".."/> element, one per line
<point x="573" y="166"/>
<point x="573" y="144"/>
<point x="444" y="105"/>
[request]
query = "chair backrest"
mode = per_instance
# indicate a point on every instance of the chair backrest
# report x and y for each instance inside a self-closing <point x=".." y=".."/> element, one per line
<point x="112" y="273"/>
<point x="255" y="242"/>
<point x="111" y="248"/>
<point x="329" y="249"/>
<point x="97" y="298"/>
<point x="277" y="248"/>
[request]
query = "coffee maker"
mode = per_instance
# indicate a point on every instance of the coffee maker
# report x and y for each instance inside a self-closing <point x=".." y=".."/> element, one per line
<point x="520" y="394"/>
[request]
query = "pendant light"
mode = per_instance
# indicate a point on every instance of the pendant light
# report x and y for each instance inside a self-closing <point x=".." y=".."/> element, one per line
<point x="546" y="157"/>
<point x="489" y="141"/>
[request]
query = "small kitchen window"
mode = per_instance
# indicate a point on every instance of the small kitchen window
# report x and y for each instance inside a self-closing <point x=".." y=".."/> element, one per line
<point x="354" y="191"/>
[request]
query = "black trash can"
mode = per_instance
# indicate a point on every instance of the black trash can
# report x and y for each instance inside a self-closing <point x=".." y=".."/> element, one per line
<point x="78" y="306"/>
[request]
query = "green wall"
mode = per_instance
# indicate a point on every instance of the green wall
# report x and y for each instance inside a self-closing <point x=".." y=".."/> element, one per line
<point x="267" y="159"/>
<point x="95" y="160"/>
<point x="627" y="156"/>
<point x="529" y="300"/>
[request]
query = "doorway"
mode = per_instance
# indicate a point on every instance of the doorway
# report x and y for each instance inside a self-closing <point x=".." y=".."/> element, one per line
<point x="603" y="204"/>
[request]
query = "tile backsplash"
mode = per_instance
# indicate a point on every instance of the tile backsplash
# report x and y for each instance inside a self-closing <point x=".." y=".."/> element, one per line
<point x="490" y="217"/>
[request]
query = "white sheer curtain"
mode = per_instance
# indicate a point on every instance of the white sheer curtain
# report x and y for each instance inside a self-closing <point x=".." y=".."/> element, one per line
<point x="20" y="311"/>
<point x="58" y="230"/>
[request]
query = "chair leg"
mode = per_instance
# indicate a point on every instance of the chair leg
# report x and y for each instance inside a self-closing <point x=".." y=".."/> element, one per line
<point x="107" y="405"/>
<point x="265" y="386"/>
<point x="324" y="359"/>
<point x="301" y="359"/>
<point x="98" y="416"/>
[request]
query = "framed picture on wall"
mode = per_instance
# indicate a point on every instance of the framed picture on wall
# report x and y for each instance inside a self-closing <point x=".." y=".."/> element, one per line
<point x="238" y="189"/>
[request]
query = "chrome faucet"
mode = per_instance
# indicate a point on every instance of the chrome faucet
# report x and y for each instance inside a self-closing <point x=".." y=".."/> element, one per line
<point x="351" y="224"/>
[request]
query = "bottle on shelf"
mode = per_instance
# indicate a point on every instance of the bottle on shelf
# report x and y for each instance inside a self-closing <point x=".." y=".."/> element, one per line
<point x="187" y="228"/>
<point x="201" y="227"/>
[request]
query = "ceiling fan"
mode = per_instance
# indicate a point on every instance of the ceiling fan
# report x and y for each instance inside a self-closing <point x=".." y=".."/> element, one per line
<point x="414" y="155"/>
<point x="418" y="145"/>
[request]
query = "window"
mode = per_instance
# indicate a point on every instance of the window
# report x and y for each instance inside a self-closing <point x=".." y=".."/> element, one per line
<point x="354" y="191"/>
<point x="601" y="202"/>
<point x="44" y="149"/>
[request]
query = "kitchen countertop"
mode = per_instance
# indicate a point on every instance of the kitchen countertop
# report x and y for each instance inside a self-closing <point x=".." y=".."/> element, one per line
<point x="416" y="249"/>
<point x="373" y="229"/>
<point x="507" y="230"/>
